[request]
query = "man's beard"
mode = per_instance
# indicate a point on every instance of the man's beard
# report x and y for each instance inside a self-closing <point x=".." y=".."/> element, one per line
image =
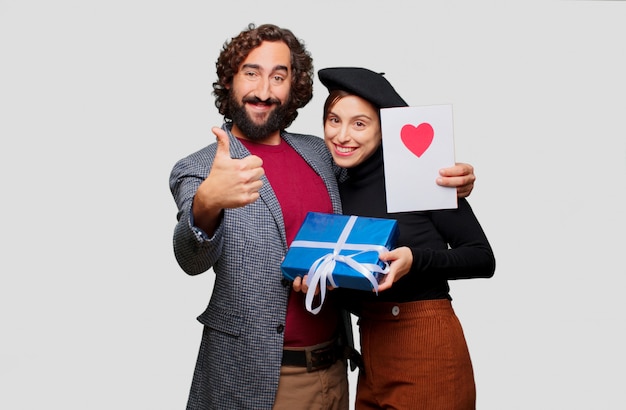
<point x="252" y="130"/>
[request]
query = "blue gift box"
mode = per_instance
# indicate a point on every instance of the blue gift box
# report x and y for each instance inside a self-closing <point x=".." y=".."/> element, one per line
<point x="347" y="246"/>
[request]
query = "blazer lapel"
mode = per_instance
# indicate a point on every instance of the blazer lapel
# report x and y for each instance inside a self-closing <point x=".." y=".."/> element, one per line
<point x="237" y="150"/>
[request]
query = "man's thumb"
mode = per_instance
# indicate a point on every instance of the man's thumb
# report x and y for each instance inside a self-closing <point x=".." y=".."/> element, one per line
<point x="223" y="144"/>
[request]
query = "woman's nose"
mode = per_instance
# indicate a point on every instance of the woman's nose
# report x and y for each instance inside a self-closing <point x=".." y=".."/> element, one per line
<point x="343" y="134"/>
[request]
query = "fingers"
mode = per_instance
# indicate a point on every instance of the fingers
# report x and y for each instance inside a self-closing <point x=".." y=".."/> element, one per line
<point x="400" y="262"/>
<point x="467" y="168"/>
<point x="251" y="162"/>
<point x="463" y="182"/>
<point x="464" y="190"/>
<point x="386" y="282"/>
<point x="232" y="182"/>
<point x="460" y="176"/>
<point x="299" y="284"/>
<point x="458" y="169"/>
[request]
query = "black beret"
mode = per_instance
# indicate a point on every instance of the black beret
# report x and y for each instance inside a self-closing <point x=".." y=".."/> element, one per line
<point x="362" y="82"/>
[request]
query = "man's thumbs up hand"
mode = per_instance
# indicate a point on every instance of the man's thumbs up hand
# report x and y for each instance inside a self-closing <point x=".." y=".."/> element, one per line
<point x="231" y="183"/>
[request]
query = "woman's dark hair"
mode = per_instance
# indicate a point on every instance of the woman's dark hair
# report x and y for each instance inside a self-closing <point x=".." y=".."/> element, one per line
<point x="235" y="51"/>
<point x="331" y="100"/>
<point x="334" y="96"/>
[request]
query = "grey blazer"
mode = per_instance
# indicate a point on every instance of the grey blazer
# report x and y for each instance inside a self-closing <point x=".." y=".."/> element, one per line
<point x="239" y="361"/>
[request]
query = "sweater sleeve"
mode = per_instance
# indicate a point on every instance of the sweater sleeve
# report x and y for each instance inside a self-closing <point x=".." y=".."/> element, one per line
<point x="468" y="254"/>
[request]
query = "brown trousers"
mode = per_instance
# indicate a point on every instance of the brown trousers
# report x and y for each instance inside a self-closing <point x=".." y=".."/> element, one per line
<point x="415" y="357"/>
<point x="325" y="389"/>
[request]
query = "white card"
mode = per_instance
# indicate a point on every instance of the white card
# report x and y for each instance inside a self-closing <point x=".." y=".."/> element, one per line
<point x="417" y="143"/>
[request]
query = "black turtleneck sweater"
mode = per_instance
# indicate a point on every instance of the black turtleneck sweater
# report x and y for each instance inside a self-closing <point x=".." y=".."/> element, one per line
<point x="446" y="244"/>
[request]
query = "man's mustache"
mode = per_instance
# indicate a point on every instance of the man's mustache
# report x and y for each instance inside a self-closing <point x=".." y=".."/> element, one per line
<point x="257" y="100"/>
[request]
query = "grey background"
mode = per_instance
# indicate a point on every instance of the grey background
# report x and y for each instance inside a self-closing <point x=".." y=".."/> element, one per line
<point x="99" y="99"/>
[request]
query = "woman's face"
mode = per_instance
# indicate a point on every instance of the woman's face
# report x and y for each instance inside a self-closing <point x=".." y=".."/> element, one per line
<point x="352" y="131"/>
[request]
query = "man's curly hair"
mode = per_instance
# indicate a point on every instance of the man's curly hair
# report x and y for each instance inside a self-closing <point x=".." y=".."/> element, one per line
<point x="235" y="51"/>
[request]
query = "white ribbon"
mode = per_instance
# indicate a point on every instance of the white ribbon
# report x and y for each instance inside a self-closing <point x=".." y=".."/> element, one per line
<point x="322" y="269"/>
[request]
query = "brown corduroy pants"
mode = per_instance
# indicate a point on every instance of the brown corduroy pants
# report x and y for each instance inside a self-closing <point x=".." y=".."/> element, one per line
<point x="415" y="357"/>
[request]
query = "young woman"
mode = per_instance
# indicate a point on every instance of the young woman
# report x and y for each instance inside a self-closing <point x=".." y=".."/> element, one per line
<point x="414" y="351"/>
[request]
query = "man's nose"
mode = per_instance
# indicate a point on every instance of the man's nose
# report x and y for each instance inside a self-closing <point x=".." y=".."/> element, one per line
<point x="263" y="89"/>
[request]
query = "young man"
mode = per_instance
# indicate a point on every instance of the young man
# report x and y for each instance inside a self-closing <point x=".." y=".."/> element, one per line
<point x="241" y="201"/>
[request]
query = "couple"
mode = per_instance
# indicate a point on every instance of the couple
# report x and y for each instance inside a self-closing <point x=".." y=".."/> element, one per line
<point x="241" y="202"/>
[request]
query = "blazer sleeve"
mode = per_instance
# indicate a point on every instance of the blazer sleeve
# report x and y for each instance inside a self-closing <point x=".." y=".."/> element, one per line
<point x="195" y="252"/>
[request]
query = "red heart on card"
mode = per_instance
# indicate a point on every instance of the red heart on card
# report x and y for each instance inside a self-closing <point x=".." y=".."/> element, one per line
<point x="417" y="139"/>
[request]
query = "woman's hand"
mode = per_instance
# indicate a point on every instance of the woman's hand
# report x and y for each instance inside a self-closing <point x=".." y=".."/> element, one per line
<point x="400" y="261"/>
<point x="460" y="176"/>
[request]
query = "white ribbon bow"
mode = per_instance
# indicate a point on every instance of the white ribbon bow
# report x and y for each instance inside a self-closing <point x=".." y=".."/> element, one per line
<point x="322" y="269"/>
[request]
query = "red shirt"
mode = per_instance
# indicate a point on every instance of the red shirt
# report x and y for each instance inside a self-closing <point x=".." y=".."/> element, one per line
<point x="299" y="190"/>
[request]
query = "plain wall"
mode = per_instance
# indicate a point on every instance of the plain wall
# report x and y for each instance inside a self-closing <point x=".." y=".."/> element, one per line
<point x="99" y="99"/>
